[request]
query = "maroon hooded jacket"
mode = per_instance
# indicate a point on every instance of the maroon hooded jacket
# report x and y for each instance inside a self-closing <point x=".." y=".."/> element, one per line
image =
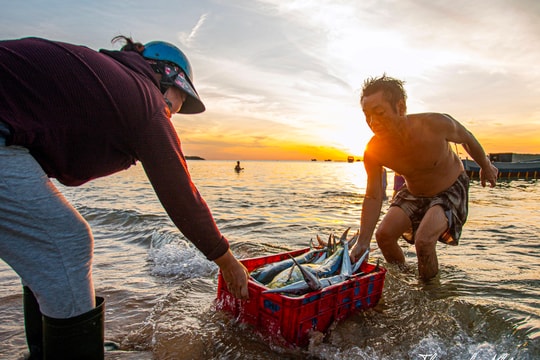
<point x="85" y="114"/>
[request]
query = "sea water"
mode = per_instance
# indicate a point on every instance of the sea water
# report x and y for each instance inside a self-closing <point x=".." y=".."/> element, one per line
<point x="160" y="290"/>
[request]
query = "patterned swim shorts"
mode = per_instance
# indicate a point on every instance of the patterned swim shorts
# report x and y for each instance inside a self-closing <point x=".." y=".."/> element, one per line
<point x="453" y="200"/>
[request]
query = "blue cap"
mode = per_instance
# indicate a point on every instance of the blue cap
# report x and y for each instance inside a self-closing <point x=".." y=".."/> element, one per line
<point x="163" y="53"/>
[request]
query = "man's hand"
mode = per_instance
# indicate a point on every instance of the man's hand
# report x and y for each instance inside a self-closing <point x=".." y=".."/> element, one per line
<point x="357" y="251"/>
<point x="235" y="275"/>
<point x="489" y="175"/>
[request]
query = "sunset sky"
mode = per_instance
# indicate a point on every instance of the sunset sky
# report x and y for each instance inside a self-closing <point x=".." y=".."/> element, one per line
<point x="281" y="79"/>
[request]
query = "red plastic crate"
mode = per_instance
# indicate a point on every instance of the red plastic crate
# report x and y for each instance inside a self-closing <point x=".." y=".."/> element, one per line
<point x="293" y="317"/>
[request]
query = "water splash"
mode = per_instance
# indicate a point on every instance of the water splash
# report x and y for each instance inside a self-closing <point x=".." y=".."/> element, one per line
<point x="180" y="261"/>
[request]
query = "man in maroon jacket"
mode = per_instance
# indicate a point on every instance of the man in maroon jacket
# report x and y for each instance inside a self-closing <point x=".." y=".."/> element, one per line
<point x="74" y="114"/>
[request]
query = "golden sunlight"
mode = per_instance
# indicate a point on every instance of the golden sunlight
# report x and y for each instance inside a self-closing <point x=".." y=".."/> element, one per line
<point x="352" y="139"/>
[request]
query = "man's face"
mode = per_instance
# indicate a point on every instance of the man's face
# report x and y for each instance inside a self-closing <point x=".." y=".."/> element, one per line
<point x="379" y="114"/>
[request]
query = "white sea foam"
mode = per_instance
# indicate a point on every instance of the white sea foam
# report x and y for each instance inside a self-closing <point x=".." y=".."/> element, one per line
<point x="180" y="260"/>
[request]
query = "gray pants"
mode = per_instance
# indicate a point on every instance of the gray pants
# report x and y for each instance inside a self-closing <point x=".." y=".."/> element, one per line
<point x="42" y="237"/>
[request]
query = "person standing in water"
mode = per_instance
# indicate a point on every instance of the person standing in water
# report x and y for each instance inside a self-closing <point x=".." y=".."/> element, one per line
<point x="238" y="168"/>
<point x="433" y="203"/>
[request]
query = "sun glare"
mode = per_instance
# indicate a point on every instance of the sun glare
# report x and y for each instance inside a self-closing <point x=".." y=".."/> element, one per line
<point x="355" y="143"/>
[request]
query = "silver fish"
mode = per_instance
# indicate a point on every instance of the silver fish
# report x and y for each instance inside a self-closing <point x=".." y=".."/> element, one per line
<point x="327" y="268"/>
<point x="312" y="283"/>
<point x="330" y="245"/>
<point x="266" y="273"/>
<point x="283" y="272"/>
<point x="354" y="239"/>
<point x="346" y="267"/>
<point x="332" y="265"/>
<point x="294" y="274"/>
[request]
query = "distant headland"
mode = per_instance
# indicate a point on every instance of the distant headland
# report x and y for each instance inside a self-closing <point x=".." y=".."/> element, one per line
<point x="194" y="158"/>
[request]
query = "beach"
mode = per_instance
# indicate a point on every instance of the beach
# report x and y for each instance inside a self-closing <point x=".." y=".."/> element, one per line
<point x="160" y="291"/>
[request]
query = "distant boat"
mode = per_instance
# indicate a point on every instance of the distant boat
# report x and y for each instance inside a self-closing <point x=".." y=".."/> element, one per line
<point x="510" y="165"/>
<point x="313" y="159"/>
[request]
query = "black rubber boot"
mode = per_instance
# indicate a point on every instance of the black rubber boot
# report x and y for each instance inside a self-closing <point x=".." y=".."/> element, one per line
<point x="33" y="322"/>
<point x="78" y="338"/>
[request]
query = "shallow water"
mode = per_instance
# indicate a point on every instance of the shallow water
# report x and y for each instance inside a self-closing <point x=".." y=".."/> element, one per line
<point x="160" y="291"/>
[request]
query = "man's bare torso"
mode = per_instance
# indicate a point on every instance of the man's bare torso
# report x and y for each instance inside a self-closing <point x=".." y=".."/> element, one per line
<point x="423" y="155"/>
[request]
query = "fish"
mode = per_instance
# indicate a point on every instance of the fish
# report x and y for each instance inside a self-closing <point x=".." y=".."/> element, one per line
<point x="334" y="262"/>
<point x="331" y="265"/>
<point x="354" y="239"/>
<point x="346" y="266"/>
<point x="323" y="260"/>
<point x="331" y="243"/>
<point x="289" y="276"/>
<point x="318" y="268"/>
<point x="321" y="243"/>
<point x="311" y="282"/>
<point x="266" y="273"/>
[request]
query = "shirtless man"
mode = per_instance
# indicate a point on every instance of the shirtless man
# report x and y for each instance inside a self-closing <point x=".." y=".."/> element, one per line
<point x="433" y="203"/>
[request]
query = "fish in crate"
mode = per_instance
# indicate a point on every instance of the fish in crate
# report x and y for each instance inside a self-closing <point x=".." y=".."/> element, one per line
<point x="296" y="292"/>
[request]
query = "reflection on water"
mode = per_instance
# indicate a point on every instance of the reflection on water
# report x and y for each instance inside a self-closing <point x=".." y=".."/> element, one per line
<point x="160" y="290"/>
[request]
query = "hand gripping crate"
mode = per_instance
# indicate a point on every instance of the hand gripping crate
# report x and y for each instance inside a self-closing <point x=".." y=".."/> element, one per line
<point x="293" y="317"/>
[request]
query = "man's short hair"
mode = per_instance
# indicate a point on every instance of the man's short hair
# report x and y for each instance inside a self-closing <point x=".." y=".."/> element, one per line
<point x="392" y="89"/>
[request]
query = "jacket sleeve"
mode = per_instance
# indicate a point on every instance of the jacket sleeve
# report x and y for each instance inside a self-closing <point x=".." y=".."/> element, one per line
<point x="158" y="148"/>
